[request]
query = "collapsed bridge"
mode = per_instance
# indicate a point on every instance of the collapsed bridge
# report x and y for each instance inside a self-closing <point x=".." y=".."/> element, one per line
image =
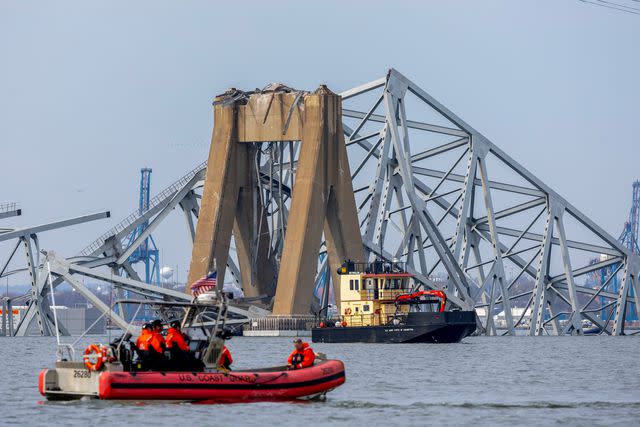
<point x="297" y="181"/>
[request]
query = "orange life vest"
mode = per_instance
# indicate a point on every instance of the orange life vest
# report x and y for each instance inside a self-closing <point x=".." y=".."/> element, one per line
<point x="143" y="340"/>
<point x="225" y="358"/>
<point x="156" y="341"/>
<point x="175" y="337"/>
<point x="302" y="358"/>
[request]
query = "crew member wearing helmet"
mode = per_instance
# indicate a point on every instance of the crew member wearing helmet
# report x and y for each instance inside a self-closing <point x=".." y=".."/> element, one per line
<point x="141" y="342"/>
<point x="178" y="347"/>
<point x="302" y="355"/>
<point x="142" y="345"/>
<point x="157" y="346"/>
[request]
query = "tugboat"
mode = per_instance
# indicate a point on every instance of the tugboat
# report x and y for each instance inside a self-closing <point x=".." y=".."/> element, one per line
<point x="380" y="304"/>
<point x="112" y="372"/>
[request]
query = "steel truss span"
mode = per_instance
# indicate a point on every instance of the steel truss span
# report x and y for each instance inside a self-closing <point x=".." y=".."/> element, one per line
<point x="430" y="191"/>
<point x="466" y="217"/>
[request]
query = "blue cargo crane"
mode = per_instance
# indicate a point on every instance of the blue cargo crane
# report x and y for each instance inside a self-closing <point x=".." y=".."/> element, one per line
<point x="629" y="238"/>
<point x="147" y="252"/>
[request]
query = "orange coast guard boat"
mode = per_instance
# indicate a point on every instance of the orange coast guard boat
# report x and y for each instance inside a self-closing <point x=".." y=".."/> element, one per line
<point x="72" y="380"/>
<point x="117" y="372"/>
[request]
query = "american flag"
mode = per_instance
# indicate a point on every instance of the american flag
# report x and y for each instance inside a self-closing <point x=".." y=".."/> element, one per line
<point x="206" y="284"/>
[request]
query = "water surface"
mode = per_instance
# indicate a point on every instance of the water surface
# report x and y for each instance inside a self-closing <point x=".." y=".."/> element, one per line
<point x="484" y="380"/>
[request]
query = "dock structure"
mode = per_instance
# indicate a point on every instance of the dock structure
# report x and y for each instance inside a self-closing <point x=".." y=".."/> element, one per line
<point x="280" y="326"/>
<point x="380" y="171"/>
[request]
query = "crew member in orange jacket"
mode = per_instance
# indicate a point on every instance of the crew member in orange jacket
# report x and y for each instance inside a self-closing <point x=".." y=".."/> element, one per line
<point x="142" y="344"/>
<point x="178" y="348"/>
<point x="157" y="346"/>
<point x="225" y="359"/>
<point x="302" y="356"/>
<point x="176" y="338"/>
<point x="156" y="341"/>
<point x="145" y="333"/>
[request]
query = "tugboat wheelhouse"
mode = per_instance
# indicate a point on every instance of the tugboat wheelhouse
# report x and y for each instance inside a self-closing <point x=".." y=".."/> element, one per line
<point x="370" y="294"/>
<point x="381" y="302"/>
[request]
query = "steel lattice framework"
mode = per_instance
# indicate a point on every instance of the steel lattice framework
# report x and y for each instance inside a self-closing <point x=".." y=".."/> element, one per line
<point x="440" y="195"/>
<point x="435" y="193"/>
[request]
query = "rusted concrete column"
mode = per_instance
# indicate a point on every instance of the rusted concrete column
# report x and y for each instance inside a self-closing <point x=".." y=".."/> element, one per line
<point x="219" y="199"/>
<point x="227" y="204"/>
<point x="322" y="199"/>
<point x="341" y="228"/>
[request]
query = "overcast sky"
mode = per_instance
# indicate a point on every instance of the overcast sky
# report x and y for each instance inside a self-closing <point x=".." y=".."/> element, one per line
<point x="90" y="92"/>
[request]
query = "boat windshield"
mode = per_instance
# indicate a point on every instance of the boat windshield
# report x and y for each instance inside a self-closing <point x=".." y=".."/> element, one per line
<point x="200" y="319"/>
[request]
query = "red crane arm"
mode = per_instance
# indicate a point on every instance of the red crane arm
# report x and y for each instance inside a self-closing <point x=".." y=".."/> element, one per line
<point x="418" y="294"/>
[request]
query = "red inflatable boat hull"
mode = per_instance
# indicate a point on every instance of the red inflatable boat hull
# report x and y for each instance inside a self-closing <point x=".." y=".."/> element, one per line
<point x="234" y="386"/>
